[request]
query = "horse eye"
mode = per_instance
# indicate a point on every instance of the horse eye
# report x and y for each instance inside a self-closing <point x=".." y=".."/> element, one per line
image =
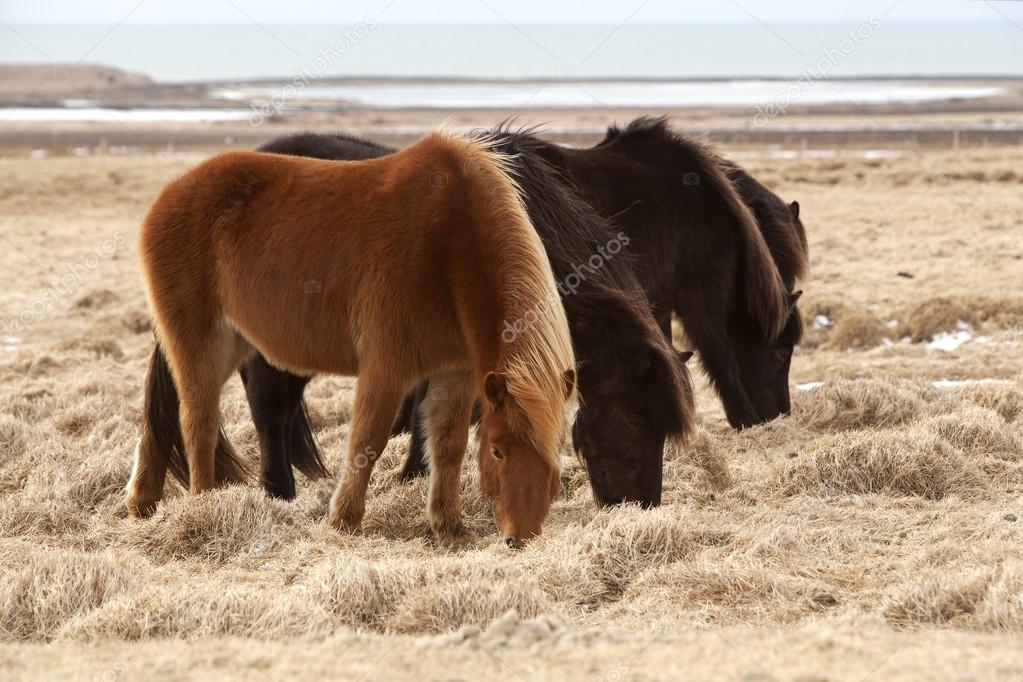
<point x="496" y="452"/>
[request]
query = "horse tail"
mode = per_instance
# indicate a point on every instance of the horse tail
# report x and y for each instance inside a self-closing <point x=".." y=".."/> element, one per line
<point x="163" y="423"/>
<point x="766" y="295"/>
<point x="304" y="453"/>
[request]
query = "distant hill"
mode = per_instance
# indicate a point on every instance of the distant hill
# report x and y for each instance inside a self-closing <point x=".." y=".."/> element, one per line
<point x="34" y="82"/>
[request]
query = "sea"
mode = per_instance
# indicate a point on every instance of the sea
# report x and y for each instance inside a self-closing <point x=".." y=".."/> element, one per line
<point x="503" y="65"/>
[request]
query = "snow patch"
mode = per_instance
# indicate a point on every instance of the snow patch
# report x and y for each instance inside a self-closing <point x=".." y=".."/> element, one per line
<point x="960" y="383"/>
<point x="11" y="343"/>
<point x="950" y="341"/>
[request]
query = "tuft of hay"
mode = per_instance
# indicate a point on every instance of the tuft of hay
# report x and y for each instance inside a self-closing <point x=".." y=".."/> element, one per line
<point x="979" y="432"/>
<point x="1005" y="399"/>
<point x="936" y="600"/>
<point x="945" y="313"/>
<point x="622" y="543"/>
<point x="910" y="461"/>
<point x="989" y="598"/>
<point x="813" y="308"/>
<point x="857" y="331"/>
<point x="201" y="610"/>
<point x="95" y="345"/>
<point x="43" y="589"/>
<point x="703" y="451"/>
<point x="716" y="591"/>
<point x="12" y="446"/>
<point x="451" y="601"/>
<point x="858" y="403"/>
<point x="934" y="316"/>
<point x="414" y="597"/>
<point x="219" y="526"/>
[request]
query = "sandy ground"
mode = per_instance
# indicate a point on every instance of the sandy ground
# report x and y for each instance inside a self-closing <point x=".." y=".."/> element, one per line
<point x="874" y="534"/>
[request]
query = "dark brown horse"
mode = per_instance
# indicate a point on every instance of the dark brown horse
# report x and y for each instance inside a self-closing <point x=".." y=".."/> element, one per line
<point x="723" y="261"/>
<point x="725" y="273"/>
<point x="627" y="369"/>
<point x="396" y="269"/>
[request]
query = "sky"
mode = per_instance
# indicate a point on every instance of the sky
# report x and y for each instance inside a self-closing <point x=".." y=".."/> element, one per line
<point x="502" y="11"/>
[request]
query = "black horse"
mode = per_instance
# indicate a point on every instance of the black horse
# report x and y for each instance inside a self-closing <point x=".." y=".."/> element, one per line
<point x="701" y="257"/>
<point x="628" y="370"/>
<point x="724" y="272"/>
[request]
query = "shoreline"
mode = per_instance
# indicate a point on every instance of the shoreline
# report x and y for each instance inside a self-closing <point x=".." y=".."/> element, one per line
<point x="93" y="108"/>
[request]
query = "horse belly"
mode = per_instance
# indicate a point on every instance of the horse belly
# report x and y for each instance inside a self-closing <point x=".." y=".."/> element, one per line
<point x="299" y="342"/>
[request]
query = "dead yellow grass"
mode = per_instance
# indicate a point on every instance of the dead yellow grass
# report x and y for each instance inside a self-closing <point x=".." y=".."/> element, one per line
<point x="875" y="531"/>
<point x="944" y="314"/>
<point x="857" y="331"/>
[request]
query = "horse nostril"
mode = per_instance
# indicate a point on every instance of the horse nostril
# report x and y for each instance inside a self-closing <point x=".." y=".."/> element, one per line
<point x="510" y="542"/>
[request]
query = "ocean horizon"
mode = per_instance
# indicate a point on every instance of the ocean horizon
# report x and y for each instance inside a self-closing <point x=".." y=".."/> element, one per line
<point x="370" y="48"/>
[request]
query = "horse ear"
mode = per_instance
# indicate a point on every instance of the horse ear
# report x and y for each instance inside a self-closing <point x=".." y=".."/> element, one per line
<point x="683" y="356"/>
<point x="570" y="379"/>
<point x="794" y="209"/>
<point x="495" y="389"/>
<point x="794" y="298"/>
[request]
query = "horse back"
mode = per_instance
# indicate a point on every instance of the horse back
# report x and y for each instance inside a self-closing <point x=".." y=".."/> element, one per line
<point x="313" y="261"/>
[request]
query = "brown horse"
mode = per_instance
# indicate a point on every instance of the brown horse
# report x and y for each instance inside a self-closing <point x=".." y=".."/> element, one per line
<point x="396" y="269"/>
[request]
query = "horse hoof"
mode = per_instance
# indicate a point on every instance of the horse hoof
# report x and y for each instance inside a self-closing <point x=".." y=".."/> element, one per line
<point x="457" y="537"/>
<point x="138" y="509"/>
<point x="344" y="518"/>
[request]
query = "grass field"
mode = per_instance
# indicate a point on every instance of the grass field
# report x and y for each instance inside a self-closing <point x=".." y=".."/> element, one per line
<point x="875" y="533"/>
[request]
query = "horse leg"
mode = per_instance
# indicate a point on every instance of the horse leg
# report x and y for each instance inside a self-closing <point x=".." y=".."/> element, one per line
<point x="447" y="409"/>
<point x="200" y="367"/>
<point x="708" y="334"/>
<point x="376" y="401"/>
<point x="415" y="462"/>
<point x="274" y="397"/>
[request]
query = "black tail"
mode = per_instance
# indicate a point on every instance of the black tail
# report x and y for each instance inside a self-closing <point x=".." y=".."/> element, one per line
<point x="163" y="419"/>
<point x="305" y="455"/>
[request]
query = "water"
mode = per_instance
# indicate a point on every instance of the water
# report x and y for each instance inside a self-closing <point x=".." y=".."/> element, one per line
<point x="121" y="116"/>
<point x="204" y="53"/>
<point x="515" y="95"/>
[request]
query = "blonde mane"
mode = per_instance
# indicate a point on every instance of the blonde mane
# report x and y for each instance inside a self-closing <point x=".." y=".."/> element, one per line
<point x="537" y="346"/>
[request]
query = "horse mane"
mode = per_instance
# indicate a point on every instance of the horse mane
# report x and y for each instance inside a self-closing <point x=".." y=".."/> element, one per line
<point x="572" y="231"/>
<point x="785" y="235"/>
<point x="766" y="294"/>
<point x="534" y="361"/>
<point x="314" y="145"/>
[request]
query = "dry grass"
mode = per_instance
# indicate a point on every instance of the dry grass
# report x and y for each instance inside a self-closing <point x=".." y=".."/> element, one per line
<point x="876" y="531"/>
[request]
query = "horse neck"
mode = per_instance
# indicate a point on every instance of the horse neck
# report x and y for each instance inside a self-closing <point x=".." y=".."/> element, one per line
<point x="517" y="324"/>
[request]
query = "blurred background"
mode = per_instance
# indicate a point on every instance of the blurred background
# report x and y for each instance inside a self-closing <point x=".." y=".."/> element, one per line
<point x="130" y="74"/>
